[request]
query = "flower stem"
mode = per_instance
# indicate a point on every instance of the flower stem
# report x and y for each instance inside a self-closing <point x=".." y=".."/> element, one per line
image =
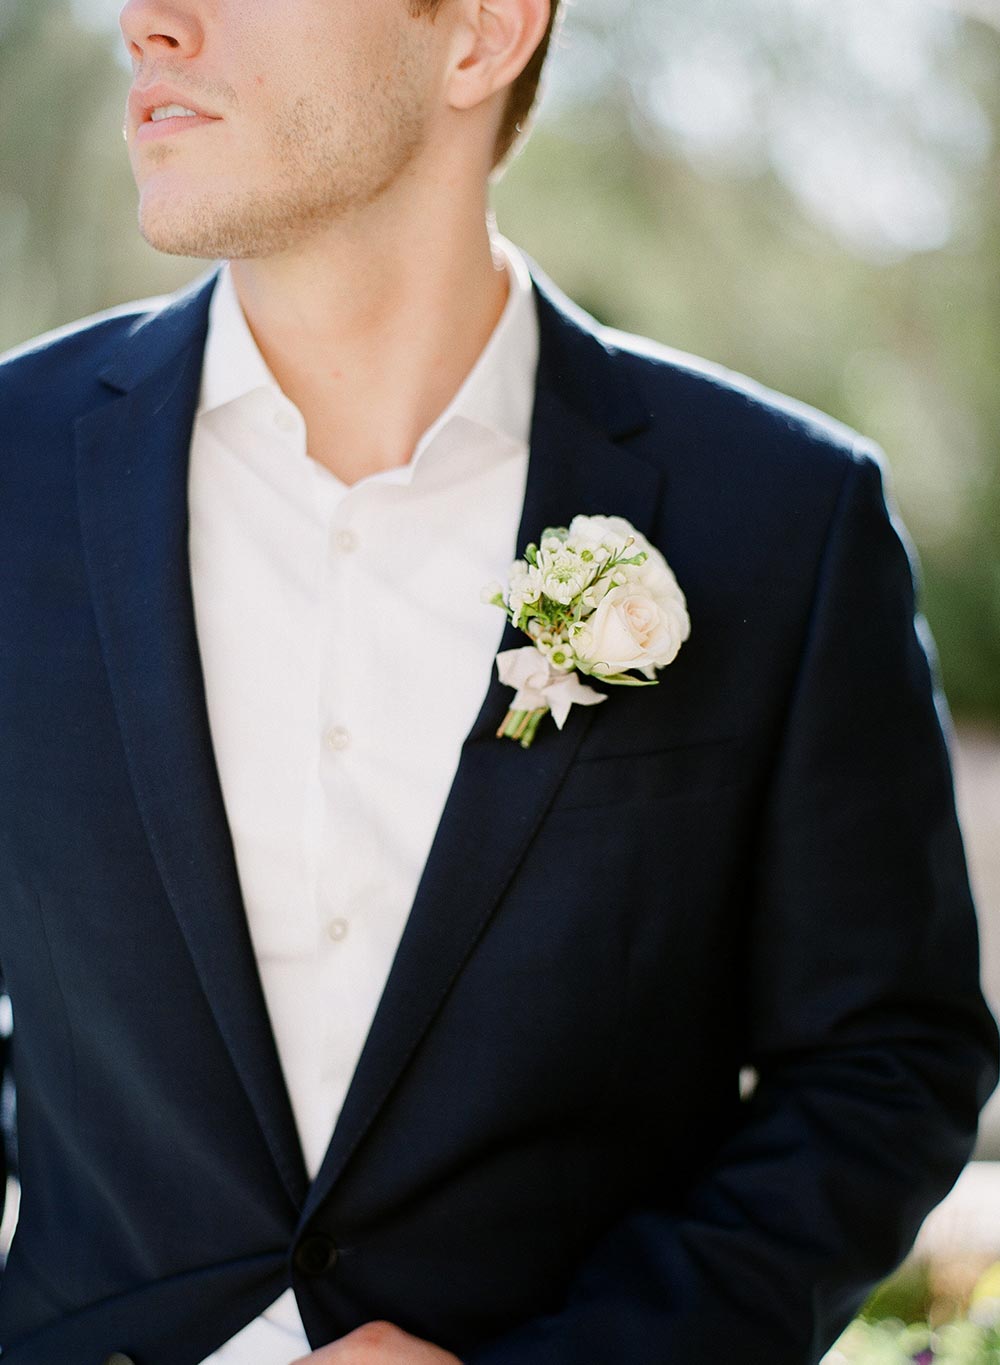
<point x="528" y="730"/>
<point x="521" y="725"/>
<point x="510" y="723"/>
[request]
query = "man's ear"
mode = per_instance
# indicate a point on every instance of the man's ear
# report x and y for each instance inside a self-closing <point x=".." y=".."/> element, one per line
<point x="495" y="40"/>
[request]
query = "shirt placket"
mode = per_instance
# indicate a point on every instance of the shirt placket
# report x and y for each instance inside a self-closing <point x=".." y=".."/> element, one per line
<point x="345" y="862"/>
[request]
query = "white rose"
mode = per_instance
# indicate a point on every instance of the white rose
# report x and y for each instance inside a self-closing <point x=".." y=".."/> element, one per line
<point x="634" y="628"/>
<point x="620" y="536"/>
<point x="656" y="576"/>
<point x="603" y="533"/>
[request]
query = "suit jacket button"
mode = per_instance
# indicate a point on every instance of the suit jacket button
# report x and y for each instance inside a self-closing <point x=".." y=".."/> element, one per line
<point x="119" y="1358"/>
<point x="315" y="1255"/>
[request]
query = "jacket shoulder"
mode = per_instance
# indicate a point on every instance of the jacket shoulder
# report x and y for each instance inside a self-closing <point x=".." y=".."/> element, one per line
<point x="61" y="370"/>
<point x="757" y="464"/>
<point x="90" y="340"/>
<point x="55" y="377"/>
<point x="707" y="399"/>
<point x="713" y="430"/>
<point x="50" y="381"/>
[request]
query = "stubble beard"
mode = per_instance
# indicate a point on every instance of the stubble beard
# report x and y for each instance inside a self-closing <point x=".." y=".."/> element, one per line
<point x="326" y="167"/>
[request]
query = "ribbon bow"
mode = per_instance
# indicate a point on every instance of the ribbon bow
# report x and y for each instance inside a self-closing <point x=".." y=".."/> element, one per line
<point x="542" y="687"/>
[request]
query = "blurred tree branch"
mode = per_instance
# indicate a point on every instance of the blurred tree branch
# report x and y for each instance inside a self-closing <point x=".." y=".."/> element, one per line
<point x="984" y="11"/>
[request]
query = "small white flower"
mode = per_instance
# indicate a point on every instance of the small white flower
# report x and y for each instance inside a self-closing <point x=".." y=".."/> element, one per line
<point x="565" y="574"/>
<point x="524" y="578"/>
<point x="525" y="588"/>
<point x="558" y="651"/>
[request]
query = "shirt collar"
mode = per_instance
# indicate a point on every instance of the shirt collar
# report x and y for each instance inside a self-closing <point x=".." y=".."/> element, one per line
<point x="233" y="366"/>
<point x="497" y="394"/>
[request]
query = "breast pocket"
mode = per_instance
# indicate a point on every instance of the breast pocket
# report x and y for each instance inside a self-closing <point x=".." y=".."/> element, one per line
<point x="699" y="768"/>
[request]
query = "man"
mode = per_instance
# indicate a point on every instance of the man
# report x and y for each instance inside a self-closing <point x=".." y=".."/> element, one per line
<point x="345" y="1030"/>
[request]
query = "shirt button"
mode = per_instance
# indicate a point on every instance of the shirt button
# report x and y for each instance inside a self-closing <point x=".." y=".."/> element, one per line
<point x="336" y="930"/>
<point x="285" y="420"/>
<point x="347" y="540"/>
<point x="337" y="738"/>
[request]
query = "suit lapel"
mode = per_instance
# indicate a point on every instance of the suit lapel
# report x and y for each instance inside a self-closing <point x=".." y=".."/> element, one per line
<point x="500" y="793"/>
<point x="132" y="464"/>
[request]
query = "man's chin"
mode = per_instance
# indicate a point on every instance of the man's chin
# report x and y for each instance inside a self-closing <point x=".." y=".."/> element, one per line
<point x="176" y="239"/>
<point x="205" y="233"/>
<point x="179" y="219"/>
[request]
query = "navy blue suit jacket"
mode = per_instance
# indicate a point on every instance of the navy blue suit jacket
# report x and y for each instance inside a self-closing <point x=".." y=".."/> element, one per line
<point x="544" y="1157"/>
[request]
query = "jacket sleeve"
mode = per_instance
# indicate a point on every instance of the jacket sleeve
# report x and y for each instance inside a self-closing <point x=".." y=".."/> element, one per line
<point x="873" y="1047"/>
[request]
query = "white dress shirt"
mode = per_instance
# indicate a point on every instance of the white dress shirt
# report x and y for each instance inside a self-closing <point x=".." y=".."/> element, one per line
<point x="346" y="654"/>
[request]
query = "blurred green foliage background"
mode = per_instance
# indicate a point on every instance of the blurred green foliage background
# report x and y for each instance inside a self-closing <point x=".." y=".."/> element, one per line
<point x="803" y="190"/>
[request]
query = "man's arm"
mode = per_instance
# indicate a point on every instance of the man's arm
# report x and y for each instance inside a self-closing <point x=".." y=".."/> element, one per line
<point x="873" y="1046"/>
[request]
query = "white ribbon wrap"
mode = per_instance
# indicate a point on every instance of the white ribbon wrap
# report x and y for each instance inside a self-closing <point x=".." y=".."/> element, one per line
<point x="539" y="684"/>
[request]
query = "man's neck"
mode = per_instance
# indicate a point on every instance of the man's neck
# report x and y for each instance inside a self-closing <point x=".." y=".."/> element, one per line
<point x="371" y="336"/>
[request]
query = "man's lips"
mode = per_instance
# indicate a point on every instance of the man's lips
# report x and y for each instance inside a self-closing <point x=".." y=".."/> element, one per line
<point x="167" y="127"/>
<point x="142" y="103"/>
